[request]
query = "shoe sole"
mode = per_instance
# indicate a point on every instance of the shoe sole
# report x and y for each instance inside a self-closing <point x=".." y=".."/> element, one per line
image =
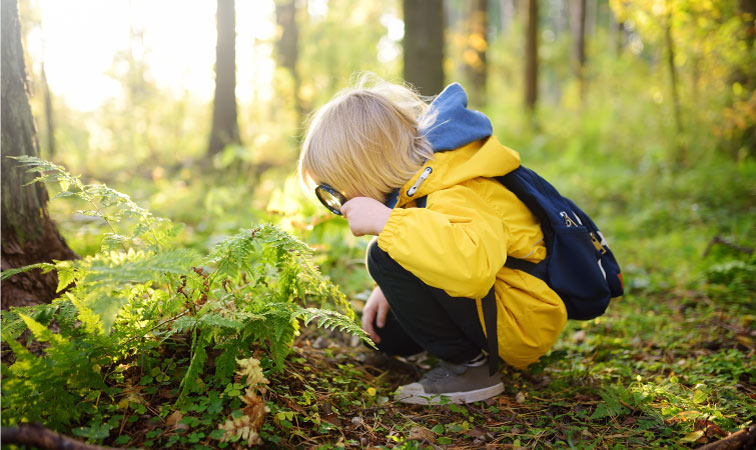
<point x="454" y="397"/>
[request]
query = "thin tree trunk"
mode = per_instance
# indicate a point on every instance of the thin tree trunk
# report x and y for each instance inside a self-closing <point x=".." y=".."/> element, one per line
<point x="620" y="38"/>
<point x="28" y="234"/>
<point x="49" y="122"/>
<point x="424" y="45"/>
<point x="681" y="156"/>
<point x="225" y="128"/>
<point x="475" y="52"/>
<point x="579" y="15"/>
<point x="531" y="56"/>
<point x="288" y="51"/>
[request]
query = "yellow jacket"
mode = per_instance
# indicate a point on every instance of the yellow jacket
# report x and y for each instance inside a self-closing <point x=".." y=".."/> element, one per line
<point x="461" y="239"/>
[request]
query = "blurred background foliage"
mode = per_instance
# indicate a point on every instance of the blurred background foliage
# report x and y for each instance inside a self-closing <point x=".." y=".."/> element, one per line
<point x="643" y="111"/>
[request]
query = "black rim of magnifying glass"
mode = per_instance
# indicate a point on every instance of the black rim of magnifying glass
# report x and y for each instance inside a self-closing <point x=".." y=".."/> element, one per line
<point x="338" y="195"/>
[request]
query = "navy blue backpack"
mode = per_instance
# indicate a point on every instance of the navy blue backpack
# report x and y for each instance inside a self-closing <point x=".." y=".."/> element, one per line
<point x="579" y="265"/>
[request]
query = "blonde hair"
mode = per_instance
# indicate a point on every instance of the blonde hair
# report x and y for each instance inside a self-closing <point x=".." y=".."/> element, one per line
<point x="366" y="141"/>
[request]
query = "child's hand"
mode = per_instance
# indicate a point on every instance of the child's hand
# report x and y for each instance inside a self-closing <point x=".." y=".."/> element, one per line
<point x="365" y="215"/>
<point x="376" y="309"/>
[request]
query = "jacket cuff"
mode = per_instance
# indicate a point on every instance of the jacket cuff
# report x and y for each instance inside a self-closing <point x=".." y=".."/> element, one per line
<point x="391" y="229"/>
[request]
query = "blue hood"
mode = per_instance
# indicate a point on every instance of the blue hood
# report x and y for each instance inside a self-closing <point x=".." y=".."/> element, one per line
<point x="454" y="124"/>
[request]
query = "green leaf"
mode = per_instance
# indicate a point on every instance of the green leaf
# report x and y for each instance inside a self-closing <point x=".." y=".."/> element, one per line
<point x="699" y="396"/>
<point x="66" y="276"/>
<point x="41" y="332"/>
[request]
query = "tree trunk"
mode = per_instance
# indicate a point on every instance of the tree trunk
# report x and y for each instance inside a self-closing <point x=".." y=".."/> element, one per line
<point x="579" y="30"/>
<point x="288" y="51"/>
<point x="475" y="52"/>
<point x="29" y="236"/>
<point x="225" y="129"/>
<point x="531" y="56"/>
<point x="424" y="45"/>
<point x="49" y="119"/>
<point x="619" y="37"/>
<point x="681" y="148"/>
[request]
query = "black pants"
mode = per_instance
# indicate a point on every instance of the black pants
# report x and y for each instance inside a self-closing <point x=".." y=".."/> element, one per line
<point x="423" y="317"/>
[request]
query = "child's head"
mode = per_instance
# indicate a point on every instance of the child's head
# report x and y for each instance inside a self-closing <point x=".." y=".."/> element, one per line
<point x="366" y="141"/>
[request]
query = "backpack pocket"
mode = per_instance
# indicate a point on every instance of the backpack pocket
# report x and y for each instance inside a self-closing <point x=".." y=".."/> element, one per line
<point x="576" y="272"/>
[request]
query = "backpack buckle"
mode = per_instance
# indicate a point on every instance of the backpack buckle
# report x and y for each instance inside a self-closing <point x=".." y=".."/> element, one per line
<point x="597" y="243"/>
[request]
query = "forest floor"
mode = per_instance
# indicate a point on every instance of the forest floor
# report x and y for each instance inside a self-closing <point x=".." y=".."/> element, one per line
<point x="671" y="370"/>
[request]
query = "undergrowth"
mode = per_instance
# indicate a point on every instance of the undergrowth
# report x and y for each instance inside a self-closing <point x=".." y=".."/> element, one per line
<point x="146" y="339"/>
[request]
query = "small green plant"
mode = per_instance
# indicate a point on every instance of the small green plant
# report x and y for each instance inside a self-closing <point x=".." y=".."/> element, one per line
<point x="147" y="330"/>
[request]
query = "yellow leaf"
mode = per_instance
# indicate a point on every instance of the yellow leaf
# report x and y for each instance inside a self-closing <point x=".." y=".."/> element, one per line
<point x="371" y="392"/>
<point x="693" y="436"/>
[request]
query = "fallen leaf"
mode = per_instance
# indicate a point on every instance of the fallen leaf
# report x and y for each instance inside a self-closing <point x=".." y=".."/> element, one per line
<point x="422" y="433"/>
<point x="745" y="340"/>
<point x="174" y="419"/>
<point x="692" y="436"/>
<point x="520" y="397"/>
<point x="630" y="420"/>
<point x="333" y="419"/>
<point x="476" y="433"/>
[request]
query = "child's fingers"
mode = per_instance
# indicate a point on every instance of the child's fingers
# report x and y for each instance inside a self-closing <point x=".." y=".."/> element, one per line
<point x="383" y="309"/>
<point x="368" y="314"/>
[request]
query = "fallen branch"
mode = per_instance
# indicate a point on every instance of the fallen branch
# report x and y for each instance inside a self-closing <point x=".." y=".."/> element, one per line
<point x="36" y="435"/>
<point x="743" y="439"/>
<point x="720" y="240"/>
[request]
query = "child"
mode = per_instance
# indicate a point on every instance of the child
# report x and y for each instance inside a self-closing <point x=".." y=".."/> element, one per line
<point x="375" y="154"/>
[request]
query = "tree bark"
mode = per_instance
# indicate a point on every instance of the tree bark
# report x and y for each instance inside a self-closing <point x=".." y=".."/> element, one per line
<point x="531" y="56"/>
<point x="29" y="236"/>
<point x="742" y="439"/>
<point x="424" y="45"/>
<point x="225" y="128"/>
<point x="475" y="52"/>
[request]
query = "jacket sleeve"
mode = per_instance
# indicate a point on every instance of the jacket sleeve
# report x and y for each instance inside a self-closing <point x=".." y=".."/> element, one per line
<point x="457" y="243"/>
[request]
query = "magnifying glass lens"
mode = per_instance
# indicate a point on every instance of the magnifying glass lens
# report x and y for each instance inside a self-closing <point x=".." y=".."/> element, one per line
<point x="330" y="198"/>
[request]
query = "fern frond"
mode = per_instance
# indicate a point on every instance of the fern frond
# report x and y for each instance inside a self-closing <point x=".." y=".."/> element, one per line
<point x="196" y="366"/>
<point x="120" y="268"/>
<point x="46" y="267"/>
<point x="333" y="320"/>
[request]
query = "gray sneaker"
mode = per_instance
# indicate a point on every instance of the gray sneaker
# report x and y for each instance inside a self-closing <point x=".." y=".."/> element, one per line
<point x="459" y="382"/>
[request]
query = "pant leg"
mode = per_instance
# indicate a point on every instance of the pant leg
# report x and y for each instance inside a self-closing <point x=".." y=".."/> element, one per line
<point x="394" y="340"/>
<point x="445" y="326"/>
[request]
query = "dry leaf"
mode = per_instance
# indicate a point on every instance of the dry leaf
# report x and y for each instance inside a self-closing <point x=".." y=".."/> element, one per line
<point x="422" y="433"/>
<point x="173" y="421"/>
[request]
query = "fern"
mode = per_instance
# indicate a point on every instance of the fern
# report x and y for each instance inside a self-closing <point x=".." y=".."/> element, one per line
<point x="142" y="296"/>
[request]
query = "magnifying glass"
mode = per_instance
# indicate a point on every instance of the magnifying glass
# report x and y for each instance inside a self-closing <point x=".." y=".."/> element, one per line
<point x="330" y="198"/>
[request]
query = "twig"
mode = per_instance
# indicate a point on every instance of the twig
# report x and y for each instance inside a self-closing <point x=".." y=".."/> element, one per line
<point x="34" y="434"/>
<point x="743" y="439"/>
